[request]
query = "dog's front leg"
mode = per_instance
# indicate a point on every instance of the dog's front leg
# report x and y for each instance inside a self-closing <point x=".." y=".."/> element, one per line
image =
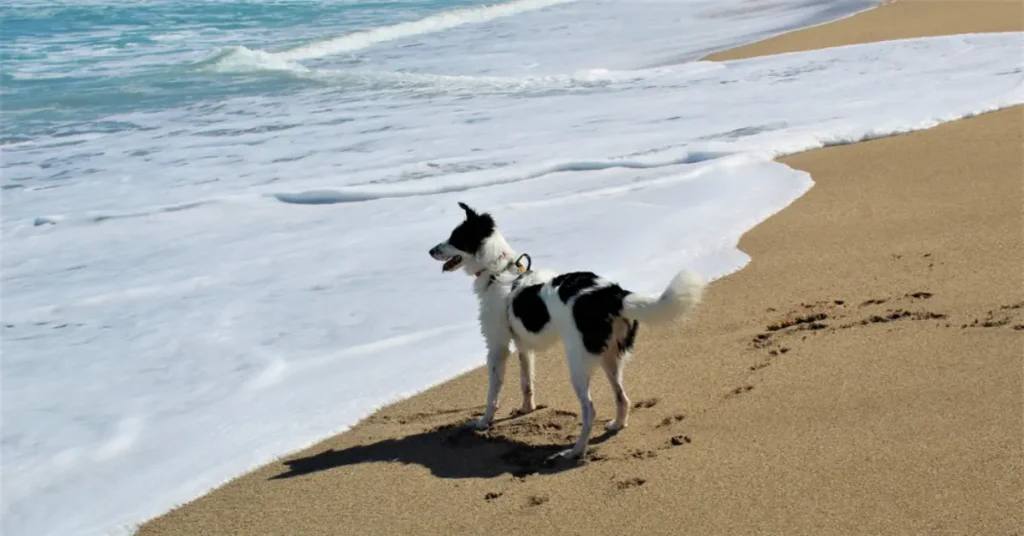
<point x="496" y="361"/>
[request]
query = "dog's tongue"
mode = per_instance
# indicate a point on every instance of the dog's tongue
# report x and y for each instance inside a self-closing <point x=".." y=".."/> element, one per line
<point x="450" y="264"/>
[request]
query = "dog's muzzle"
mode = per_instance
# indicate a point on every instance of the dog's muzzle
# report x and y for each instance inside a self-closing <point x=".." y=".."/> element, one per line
<point x="451" y="263"/>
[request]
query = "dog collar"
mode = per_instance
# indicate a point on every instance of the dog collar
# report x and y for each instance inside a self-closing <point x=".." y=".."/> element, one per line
<point x="514" y="265"/>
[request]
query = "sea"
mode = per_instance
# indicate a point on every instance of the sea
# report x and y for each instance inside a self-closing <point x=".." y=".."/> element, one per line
<point x="216" y="214"/>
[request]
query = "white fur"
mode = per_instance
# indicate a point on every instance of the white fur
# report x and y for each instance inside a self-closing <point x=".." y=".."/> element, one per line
<point x="500" y="327"/>
<point x="682" y="294"/>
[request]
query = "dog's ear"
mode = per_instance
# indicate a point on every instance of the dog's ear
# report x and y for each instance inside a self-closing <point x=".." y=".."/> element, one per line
<point x="483" y="221"/>
<point x="470" y="213"/>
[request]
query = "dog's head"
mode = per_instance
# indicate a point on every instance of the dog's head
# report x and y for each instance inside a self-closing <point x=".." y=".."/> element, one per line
<point x="475" y="244"/>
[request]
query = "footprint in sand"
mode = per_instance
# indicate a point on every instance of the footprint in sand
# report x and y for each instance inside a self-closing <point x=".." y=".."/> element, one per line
<point x="680" y="440"/>
<point x="537" y="500"/>
<point x="646" y="403"/>
<point x="634" y="482"/>
<point x="667" y="421"/>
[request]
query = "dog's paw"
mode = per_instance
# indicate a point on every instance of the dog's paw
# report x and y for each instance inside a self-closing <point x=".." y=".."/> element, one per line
<point x="567" y="454"/>
<point x="525" y="410"/>
<point x="613" y="426"/>
<point x="477" y="424"/>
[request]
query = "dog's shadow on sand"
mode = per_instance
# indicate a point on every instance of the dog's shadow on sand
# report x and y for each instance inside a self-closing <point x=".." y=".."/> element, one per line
<point x="454" y="451"/>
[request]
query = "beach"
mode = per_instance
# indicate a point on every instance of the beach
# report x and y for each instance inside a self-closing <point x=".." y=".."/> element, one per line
<point x="861" y="375"/>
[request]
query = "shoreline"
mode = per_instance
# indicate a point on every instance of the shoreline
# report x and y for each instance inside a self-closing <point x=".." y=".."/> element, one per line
<point x="392" y="425"/>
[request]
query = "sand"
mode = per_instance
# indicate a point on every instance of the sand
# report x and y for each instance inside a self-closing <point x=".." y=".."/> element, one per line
<point x="900" y="19"/>
<point x="862" y="375"/>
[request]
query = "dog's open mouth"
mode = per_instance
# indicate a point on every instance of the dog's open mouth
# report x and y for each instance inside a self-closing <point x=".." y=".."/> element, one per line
<point x="451" y="264"/>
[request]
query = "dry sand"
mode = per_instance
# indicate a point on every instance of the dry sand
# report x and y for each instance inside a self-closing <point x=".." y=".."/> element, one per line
<point x="901" y="19"/>
<point x="892" y="405"/>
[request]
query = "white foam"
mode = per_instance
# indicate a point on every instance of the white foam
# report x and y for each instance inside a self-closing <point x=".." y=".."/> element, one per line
<point x="240" y="59"/>
<point x="173" y="323"/>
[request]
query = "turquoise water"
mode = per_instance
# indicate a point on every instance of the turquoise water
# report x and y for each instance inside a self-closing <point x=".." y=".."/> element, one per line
<point x="66" y="64"/>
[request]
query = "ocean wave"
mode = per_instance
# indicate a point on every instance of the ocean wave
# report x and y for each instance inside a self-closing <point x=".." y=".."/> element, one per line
<point x="243" y="60"/>
<point x="431" y="24"/>
<point x="240" y="59"/>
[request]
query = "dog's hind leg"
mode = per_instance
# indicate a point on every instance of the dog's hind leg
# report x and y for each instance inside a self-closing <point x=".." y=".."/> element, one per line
<point x="612" y="363"/>
<point x="613" y="360"/>
<point x="526" y="375"/>
<point x="496" y="361"/>
<point x="581" y="367"/>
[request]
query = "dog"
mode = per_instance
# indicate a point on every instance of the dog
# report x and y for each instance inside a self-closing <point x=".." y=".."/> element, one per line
<point x="596" y="319"/>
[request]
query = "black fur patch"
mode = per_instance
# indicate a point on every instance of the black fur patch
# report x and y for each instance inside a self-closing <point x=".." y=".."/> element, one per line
<point x="594" y="313"/>
<point x="572" y="283"/>
<point x="627" y="342"/>
<point x="529" y="308"/>
<point x="472" y="232"/>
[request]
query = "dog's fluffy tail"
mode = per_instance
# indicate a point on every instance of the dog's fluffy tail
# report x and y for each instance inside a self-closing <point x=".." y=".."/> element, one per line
<point x="681" y="296"/>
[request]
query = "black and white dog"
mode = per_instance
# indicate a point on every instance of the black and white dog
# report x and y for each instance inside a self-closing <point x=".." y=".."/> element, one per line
<point x="597" y="320"/>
